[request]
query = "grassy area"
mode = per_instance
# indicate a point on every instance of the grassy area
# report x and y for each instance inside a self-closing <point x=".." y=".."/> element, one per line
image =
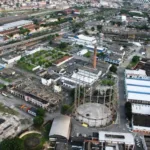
<point x="8" y="110"/>
<point x="88" y="54"/>
<point x="135" y="60"/>
<point x="2" y="86"/>
<point x="107" y="82"/>
<point x="46" y="129"/>
<point x="28" y="140"/>
<point x="132" y="65"/>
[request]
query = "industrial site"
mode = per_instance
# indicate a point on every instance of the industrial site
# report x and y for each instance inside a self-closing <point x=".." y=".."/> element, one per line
<point x="74" y="75"/>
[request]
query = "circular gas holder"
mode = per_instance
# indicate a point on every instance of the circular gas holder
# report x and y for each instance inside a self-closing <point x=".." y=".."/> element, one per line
<point x="94" y="114"/>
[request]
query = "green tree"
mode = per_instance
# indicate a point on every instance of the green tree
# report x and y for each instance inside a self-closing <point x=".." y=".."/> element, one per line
<point x="88" y="54"/>
<point x="86" y="33"/>
<point x="99" y="27"/>
<point x="113" y="69"/>
<point x="135" y="59"/>
<point x="12" y="144"/>
<point x="63" y="45"/>
<point x="64" y="108"/>
<point x="92" y="29"/>
<point x="40" y="112"/>
<point x="38" y="121"/>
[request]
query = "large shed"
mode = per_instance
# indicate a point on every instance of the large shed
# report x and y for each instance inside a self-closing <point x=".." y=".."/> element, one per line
<point x="60" y="130"/>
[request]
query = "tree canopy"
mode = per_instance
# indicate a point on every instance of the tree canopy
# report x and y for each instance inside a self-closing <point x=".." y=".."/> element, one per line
<point x="40" y="112"/>
<point x="38" y="121"/>
<point x="12" y="144"/>
<point x="113" y="69"/>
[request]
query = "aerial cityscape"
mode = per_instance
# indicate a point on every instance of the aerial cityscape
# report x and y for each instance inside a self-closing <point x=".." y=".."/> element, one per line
<point x="75" y="75"/>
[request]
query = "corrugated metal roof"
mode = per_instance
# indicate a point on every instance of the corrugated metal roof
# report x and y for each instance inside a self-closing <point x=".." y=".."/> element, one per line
<point x="61" y="126"/>
<point x="14" y="24"/>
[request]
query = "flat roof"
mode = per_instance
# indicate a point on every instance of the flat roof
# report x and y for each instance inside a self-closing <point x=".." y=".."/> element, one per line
<point x="139" y="96"/>
<point x="138" y="72"/>
<point x="87" y="38"/>
<point x="118" y="137"/>
<point x="140" y="109"/>
<point x="61" y="126"/>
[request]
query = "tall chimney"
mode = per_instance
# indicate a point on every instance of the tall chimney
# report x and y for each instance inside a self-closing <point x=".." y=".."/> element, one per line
<point x="94" y="57"/>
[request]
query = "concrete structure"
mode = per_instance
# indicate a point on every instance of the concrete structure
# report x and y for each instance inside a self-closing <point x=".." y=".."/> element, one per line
<point x="82" y="52"/>
<point x="9" y="126"/>
<point x="35" y="93"/>
<point x="60" y="130"/>
<point x="114" y="138"/>
<point x="94" y="114"/>
<point x="48" y="79"/>
<point x="11" y="58"/>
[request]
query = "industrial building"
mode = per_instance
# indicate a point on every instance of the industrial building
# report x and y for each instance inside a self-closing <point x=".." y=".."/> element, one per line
<point x="78" y="71"/>
<point x="137" y="89"/>
<point x="11" y="58"/>
<point x="9" y="126"/>
<point x="87" y="41"/>
<point x="60" y="130"/>
<point x="48" y="79"/>
<point x="112" y="140"/>
<point x="13" y="25"/>
<point x="35" y="93"/>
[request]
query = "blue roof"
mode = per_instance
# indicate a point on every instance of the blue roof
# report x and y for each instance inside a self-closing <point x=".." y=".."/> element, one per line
<point x="139" y="85"/>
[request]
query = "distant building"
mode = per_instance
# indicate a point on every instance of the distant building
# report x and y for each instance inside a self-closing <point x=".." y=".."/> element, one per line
<point x="13" y="25"/>
<point x="60" y="130"/>
<point x="11" y="58"/>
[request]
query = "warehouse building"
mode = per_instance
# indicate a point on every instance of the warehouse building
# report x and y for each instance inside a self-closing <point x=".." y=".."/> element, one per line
<point x="137" y="88"/>
<point x="16" y="24"/>
<point x="60" y="130"/>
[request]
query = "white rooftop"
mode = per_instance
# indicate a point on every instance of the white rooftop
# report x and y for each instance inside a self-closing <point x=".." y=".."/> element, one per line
<point x="136" y="72"/>
<point x="14" y="24"/>
<point x="140" y="109"/>
<point x="109" y="148"/>
<point x="87" y="38"/>
<point x="116" y="137"/>
<point x="138" y="97"/>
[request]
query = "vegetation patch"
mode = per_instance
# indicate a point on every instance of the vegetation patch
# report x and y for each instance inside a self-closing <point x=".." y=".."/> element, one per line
<point x="135" y="60"/>
<point x="33" y="141"/>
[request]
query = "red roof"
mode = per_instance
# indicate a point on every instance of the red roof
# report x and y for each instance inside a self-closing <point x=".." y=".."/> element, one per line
<point x="62" y="59"/>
